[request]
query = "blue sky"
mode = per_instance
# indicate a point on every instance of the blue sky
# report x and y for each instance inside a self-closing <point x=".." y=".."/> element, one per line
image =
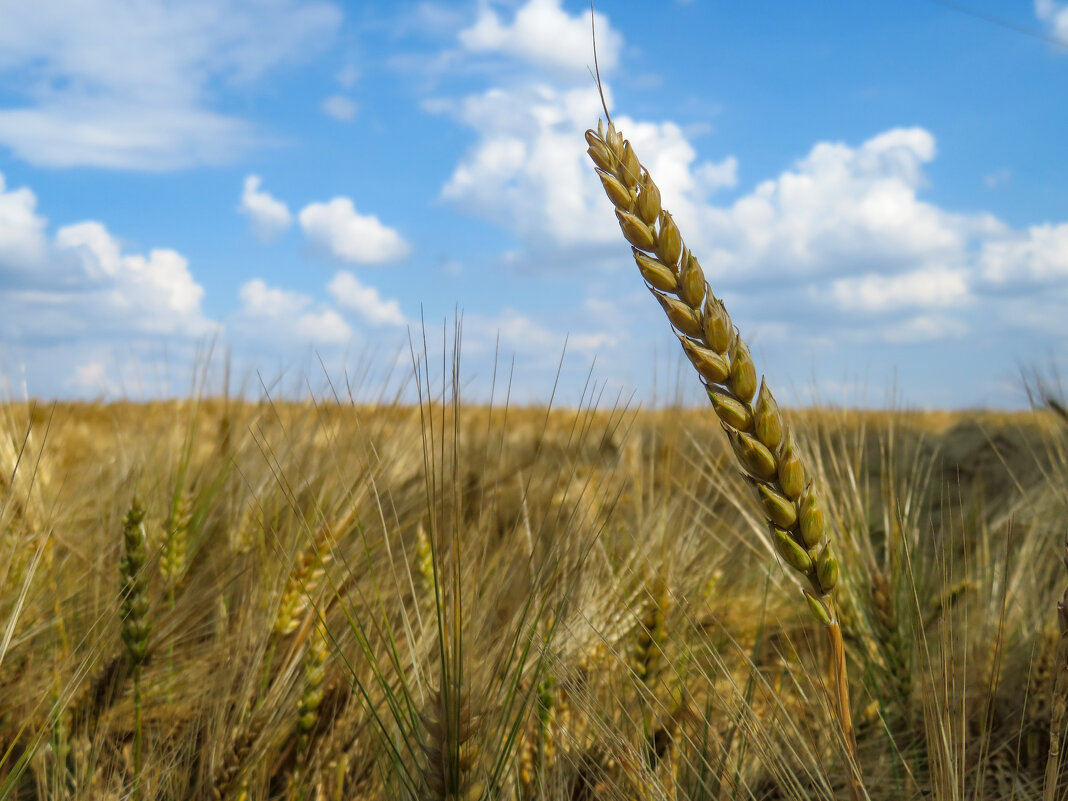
<point x="879" y="192"/>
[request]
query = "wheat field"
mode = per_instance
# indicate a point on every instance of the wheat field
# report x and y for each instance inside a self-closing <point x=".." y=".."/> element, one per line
<point x="232" y="599"/>
<point x="450" y="601"/>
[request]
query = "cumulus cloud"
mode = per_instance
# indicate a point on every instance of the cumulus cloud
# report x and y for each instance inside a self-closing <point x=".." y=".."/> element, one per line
<point x="268" y="215"/>
<point x="287" y="317"/>
<point x="545" y="36"/>
<point x="848" y="225"/>
<point x="526" y="174"/>
<point x="83" y="282"/>
<point x="921" y="288"/>
<point x="364" y="300"/>
<point x="159" y="283"/>
<point x="75" y="298"/>
<point x="83" y="103"/>
<point x="839" y="209"/>
<point x="340" y="108"/>
<point x="1038" y="255"/>
<point x="22" y="230"/>
<point x="338" y="230"/>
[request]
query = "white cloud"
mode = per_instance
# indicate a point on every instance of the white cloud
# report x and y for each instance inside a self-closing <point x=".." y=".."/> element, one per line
<point x="528" y="171"/>
<point x="83" y="282"/>
<point x="924" y="328"/>
<point x="22" y="231"/>
<point x="1039" y="255"/>
<point x="121" y="136"/>
<point x="292" y="318"/>
<point x="544" y="35"/>
<point x="154" y="293"/>
<point x="126" y="85"/>
<point x="1055" y="16"/>
<point x="837" y="210"/>
<point x="848" y="227"/>
<point x="922" y="288"/>
<point x="340" y="108"/>
<point x="92" y="379"/>
<point x="76" y="300"/>
<point x="365" y="300"/>
<point x="723" y="175"/>
<point x="337" y="229"/>
<point x="268" y="215"/>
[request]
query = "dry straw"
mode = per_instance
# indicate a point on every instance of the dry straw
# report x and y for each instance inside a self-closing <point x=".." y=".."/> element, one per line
<point x="749" y="414"/>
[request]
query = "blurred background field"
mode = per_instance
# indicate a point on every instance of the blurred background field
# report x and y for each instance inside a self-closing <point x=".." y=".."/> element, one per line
<point x="601" y="576"/>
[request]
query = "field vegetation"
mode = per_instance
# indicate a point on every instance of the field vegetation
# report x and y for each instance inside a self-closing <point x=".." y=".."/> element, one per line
<point x="449" y="601"/>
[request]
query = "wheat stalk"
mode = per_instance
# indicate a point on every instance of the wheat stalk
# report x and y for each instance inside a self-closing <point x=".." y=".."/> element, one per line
<point x="749" y="415"/>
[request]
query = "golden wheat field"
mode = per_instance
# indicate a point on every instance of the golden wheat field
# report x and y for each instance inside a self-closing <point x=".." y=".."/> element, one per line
<point x="226" y="599"/>
<point x="441" y="601"/>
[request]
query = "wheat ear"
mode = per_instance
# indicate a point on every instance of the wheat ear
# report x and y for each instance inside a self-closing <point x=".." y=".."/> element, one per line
<point x="315" y="664"/>
<point x="174" y="554"/>
<point x="135" y="622"/>
<point x="449" y="749"/>
<point x="755" y="428"/>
